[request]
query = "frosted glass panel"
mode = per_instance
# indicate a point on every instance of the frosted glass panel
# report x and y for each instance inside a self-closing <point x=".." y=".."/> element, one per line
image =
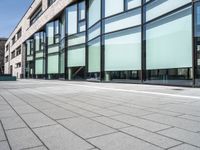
<point x="72" y="19"/>
<point x="40" y="54"/>
<point x="29" y="58"/>
<point x="94" y="31"/>
<point x="94" y="11"/>
<point x="62" y="63"/>
<point x="123" y="50"/>
<point x="169" y="42"/>
<point x="112" y="8"/>
<point x="50" y="33"/>
<point x="37" y="42"/>
<point x="76" y="57"/>
<point x="81" y="10"/>
<point x="125" y="20"/>
<point x="159" y="7"/>
<point x="133" y="3"/>
<point x="53" y="49"/>
<point x="79" y="39"/>
<point x="94" y="56"/>
<point x="39" y="66"/>
<point x="53" y="64"/>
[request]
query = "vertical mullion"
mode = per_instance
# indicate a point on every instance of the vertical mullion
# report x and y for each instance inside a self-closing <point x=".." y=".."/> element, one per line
<point x="194" y="58"/>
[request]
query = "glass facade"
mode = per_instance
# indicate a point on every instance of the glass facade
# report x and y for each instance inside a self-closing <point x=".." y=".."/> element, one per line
<point x="138" y="41"/>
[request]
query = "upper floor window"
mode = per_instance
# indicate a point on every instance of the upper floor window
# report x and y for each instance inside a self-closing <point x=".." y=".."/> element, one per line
<point x="19" y="33"/>
<point x="13" y="54"/>
<point x="18" y="51"/>
<point x="53" y="32"/>
<point x="36" y="14"/>
<point x="6" y="59"/>
<point x="50" y="2"/>
<point x="13" y="40"/>
<point x="8" y="47"/>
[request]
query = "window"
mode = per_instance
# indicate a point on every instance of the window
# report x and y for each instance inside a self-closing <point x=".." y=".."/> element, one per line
<point x="123" y="50"/>
<point x="111" y="10"/>
<point x="13" y="54"/>
<point x="6" y="59"/>
<point x="18" y="65"/>
<point x="13" y="40"/>
<point x="18" y="51"/>
<point x="8" y="47"/>
<point x="50" y="2"/>
<point x="36" y="14"/>
<point x="94" y="12"/>
<point x="19" y="33"/>
<point x="53" y="32"/>
<point x="169" y="41"/>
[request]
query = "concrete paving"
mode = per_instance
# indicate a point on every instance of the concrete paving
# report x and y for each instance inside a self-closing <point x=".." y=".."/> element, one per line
<point x="69" y="115"/>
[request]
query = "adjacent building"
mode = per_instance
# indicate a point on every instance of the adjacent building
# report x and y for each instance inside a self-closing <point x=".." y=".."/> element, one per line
<point x="134" y="41"/>
<point x="2" y="49"/>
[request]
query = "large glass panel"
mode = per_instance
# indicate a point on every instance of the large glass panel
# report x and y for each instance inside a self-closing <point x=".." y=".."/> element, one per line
<point x="94" y="32"/>
<point x="53" y="49"/>
<point x="94" y="51"/>
<point x="94" y="11"/>
<point x="77" y="39"/>
<point x="130" y="4"/>
<point x="122" y="21"/>
<point x="113" y="8"/>
<point x="159" y="7"/>
<point x="50" y="33"/>
<point x="72" y="19"/>
<point x="62" y="62"/>
<point x="39" y="66"/>
<point x="123" y="50"/>
<point x="169" y="41"/>
<point x="76" y="56"/>
<point x="53" y="64"/>
<point x="81" y="10"/>
<point x="37" y="41"/>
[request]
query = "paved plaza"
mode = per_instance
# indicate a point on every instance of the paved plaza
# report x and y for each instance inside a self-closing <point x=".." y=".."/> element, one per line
<point x="69" y="115"/>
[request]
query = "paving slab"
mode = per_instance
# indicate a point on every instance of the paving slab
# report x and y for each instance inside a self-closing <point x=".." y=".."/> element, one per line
<point x="150" y="137"/>
<point x="184" y="147"/>
<point x="4" y="145"/>
<point x="2" y="135"/>
<point x="37" y="120"/>
<point x="182" y="135"/>
<point x="57" y="137"/>
<point x="86" y="128"/>
<point x="121" y="141"/>
<point x="22" y="138"/>
<point x="142" y="123"/>
<point x="13" y="123"/>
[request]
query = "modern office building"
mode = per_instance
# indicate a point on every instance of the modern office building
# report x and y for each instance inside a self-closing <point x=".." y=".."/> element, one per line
<point x="2" y="48"/>
<point x="135" y="41"/>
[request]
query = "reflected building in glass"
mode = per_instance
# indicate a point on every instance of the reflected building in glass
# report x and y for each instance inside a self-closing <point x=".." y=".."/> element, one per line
<point x="133" y="41"/>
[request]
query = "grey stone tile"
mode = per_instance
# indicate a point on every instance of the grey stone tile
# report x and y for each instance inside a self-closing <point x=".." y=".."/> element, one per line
<point x="121" y="141"/>
<point x="37" y="120"/>
<point x="22" y="138"/>
<point x="190" y="117"/>
<point x="183" y="135"/>
<point x="43" y="105"/>
<point x="13" y="123"/>
<point x="184" y="147"/>
<point x="175" y="121"/>
<point x="7" y="113"/>
<point x="4" y="145"/>
<point x="58" y="138"/>
<point x="5" y="107"/>
<point x="59" y="113"/>
<point x="86" y="128"/>
<point x="2" y="135"/>
<point x="110" y="122"/>
<point x="142" y="123"/>
<point x="25" y="109"/>
<point x="105" y="112"/>
<point x="165" y="112"/>
<point x="130" y="110"/>
<point x="153" y="138"/>
<point x="38" y="148"/>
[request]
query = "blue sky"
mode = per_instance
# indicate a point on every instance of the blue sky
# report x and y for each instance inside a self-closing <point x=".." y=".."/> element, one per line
<point x="11" y="12"/>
